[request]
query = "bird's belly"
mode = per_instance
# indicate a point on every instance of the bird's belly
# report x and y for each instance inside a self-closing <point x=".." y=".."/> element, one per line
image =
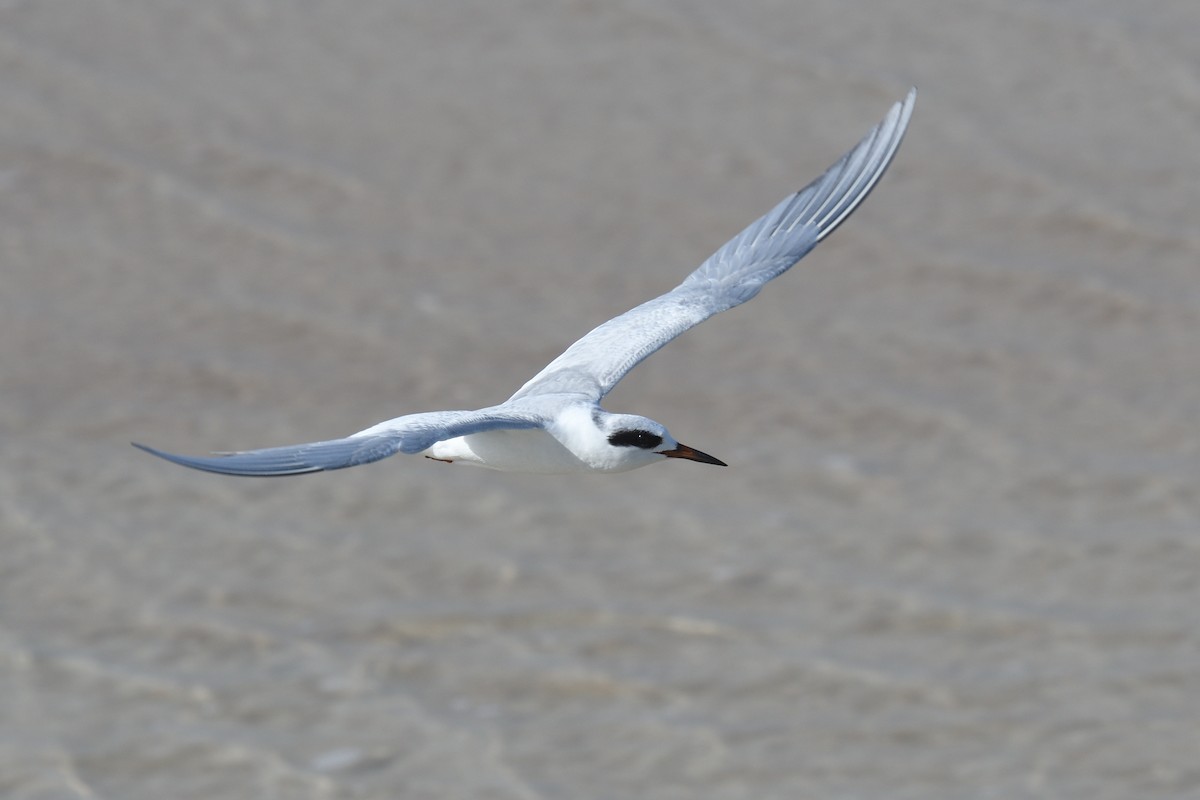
<point x="510" y="451"/>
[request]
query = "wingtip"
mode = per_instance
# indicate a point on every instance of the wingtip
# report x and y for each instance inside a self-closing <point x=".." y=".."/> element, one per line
<point x="145" y="448"/>
<point x="905" y="106"/>
<point x="183" y="461"/>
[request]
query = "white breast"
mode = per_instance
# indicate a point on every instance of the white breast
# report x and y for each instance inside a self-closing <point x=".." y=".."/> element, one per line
<point x="532" y="450"/>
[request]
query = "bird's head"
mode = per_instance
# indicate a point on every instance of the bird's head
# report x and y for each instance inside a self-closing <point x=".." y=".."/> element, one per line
<point x="619" y="442"/>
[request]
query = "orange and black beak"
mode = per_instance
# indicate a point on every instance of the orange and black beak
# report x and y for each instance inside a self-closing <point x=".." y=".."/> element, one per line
<point x="683" y="451"/>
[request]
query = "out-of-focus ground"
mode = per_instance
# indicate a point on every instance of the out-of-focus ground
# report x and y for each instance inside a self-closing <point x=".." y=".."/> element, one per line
<point x="957" y="553"/>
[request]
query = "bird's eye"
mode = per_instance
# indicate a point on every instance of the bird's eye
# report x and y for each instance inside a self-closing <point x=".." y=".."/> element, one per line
<point x="643" y="439"/>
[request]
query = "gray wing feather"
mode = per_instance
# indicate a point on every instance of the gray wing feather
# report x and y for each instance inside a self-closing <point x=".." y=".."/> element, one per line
<point x="733" y="274"/>
<point x="291" y="460"/>
<point x="409" y="434"/>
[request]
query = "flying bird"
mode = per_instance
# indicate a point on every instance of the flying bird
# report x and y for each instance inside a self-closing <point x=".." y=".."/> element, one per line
<point x="554" y="423"/>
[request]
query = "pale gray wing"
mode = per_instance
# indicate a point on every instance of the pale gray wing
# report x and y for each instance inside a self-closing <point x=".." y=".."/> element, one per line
<point x="410" y="434"/>
<point x="733" y="274"/>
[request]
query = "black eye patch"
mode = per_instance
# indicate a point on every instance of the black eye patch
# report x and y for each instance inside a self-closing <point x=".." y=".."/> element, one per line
<point x="642" y="439"/>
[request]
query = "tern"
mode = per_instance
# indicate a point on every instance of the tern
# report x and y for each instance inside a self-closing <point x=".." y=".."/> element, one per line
<point x="554" y="423"/>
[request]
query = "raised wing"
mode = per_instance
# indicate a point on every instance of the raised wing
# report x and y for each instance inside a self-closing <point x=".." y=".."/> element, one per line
<point x="409" y="434"/>
<point x="733" y="274"/>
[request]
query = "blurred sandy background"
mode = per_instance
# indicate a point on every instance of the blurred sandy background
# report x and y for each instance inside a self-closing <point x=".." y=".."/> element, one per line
<point x="957" y="553"/>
